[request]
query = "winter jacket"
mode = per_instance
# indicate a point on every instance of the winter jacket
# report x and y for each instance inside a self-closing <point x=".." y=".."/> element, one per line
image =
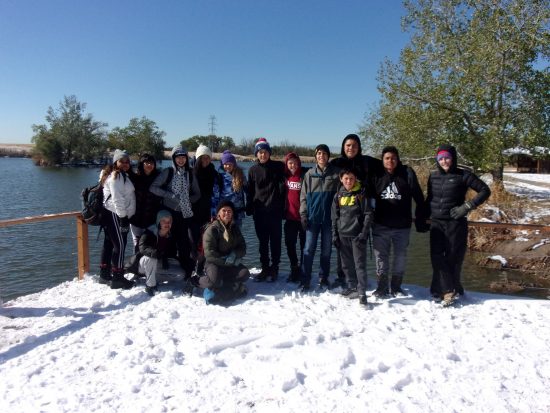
<point x="266" y="187"/>
<point x="152" y="246"/>
<point x="206" y="178"/>
<point x="318" y="190"/>
<point x="351" y="213"/>
<point x="216" y="247"/>
<point x="447" y="190"/>
<point x="365" y="166"/>
<point x="293" y="184"/>
<point x="393" y="194"/>
<point x="147" y="203"/>
<point x="223" y="190"/>
<point x="162" y="186"/>
<point x="118" y="194"/>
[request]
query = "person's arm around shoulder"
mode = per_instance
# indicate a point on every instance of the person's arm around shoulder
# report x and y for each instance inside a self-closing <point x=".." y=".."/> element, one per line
<point x="157" y="185"/>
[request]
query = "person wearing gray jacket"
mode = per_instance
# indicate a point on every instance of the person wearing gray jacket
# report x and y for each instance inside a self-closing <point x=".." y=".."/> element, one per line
<point x="178" y="188"/>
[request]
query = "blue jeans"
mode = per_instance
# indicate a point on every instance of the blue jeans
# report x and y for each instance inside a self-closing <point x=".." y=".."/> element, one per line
<point x="312" y="233"/>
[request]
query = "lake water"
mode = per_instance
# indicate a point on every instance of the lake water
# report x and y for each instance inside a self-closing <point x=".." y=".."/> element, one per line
<point x="41" y="255"/>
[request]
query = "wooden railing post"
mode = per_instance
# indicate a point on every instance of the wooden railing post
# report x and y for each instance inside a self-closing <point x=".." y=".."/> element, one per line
<point x="82" y="245"/>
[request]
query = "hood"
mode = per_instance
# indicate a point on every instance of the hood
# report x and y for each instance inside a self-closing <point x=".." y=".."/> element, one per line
<point x="356" y="139"/>
<point x="289" y="156"/>
<point x="179" y="150"/>
<point x="449" y="148"/>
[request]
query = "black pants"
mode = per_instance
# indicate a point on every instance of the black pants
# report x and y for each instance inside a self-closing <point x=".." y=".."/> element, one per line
<point x="268" y="226"/>
<point x="293" y="232"/>
<point x="114" y="243"/>
<point x="183" y="232"/>
<point x="217" y="276"/>
<point x="448" y="242"/>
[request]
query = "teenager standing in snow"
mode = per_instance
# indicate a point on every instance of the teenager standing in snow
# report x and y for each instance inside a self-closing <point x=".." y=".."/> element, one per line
<point x="120" y="204"/>
<point x="351" y="221"/>
<point x="266" y="204"/>
<point x="293" y="230"/>
<point x="147" y="204"/>
<point x="394" y="188"/>
<point x="178" y="187"/>
<point x="231" y="187"/>
<point x="446" y="202"/>
<point x="318" y="188"/>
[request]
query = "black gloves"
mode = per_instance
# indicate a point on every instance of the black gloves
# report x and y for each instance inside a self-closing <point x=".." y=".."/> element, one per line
<point x="421" y="225"/>
<point x="124" y="225"/>
<point x="462" y="210"/>
<point x="303" y="220"/>
<point x="336" y="242"/>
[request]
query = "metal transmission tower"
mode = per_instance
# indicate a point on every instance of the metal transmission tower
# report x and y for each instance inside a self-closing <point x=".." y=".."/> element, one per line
<point x="212" y="125"/>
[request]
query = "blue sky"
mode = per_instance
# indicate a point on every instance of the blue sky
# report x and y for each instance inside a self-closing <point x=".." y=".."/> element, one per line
<point x="292" y="70"/>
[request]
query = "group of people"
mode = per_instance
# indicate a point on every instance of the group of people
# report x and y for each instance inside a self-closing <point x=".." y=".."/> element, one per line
<point x="190" y="218"/>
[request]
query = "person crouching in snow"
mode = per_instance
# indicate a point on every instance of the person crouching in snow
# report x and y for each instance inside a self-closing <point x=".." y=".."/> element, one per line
<point x="156" y="256"/>
<point x="351" y="221"/>
<point x="224" y="247"/>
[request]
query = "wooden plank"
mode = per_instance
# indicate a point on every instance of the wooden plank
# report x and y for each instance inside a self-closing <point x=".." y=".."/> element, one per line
<point x="47" y="217"/>
<point x="82" y="247"/>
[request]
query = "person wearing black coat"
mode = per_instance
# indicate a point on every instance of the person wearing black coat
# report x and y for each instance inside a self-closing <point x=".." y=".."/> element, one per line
<point x="266" y="203"/>
<point x="448" y="209"/>
<point x="394" y="190"/>
<point x="147" y="203"/>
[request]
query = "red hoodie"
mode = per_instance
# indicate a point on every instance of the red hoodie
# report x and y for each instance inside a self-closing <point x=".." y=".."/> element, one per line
<point x="293" y="186"/>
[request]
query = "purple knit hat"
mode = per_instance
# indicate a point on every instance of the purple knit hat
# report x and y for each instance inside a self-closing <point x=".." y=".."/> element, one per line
<point x="227" y="157"/>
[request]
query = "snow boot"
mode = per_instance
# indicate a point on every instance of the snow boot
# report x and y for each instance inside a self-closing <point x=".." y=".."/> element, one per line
<point x="295" y="274"/>
<point x="363" y="299"/>
<point x="262" y="276"/>
<point x="273" y="273"/>
<point x="382" y="288"/>
<point x="323" y="282"/>
<point x="119" y="281"/>
<point x="105" y="276"/>
<point x="396" y="285"/>
<point x="151" y="290"/>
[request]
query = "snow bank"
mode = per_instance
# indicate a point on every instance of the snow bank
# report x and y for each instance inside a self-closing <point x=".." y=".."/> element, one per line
<point x="83" y="347"/>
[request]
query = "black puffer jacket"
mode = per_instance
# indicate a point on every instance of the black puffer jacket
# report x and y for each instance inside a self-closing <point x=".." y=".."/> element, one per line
<point x="147" y="203"/>
<point x="447" y="190"/>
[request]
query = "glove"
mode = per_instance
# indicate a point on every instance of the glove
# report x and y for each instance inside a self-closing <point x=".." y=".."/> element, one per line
<point x="421" y="225"/>
<point x="462" y="210"/>
<point x="361" y="238"/>
<point x="230" y="259"/>
<point x="304" y="223"/>
<point x="124" y="225"/>
<point x="249" y="209"/>
<point x="336" y="242"/>
<point x="165" y="263"/>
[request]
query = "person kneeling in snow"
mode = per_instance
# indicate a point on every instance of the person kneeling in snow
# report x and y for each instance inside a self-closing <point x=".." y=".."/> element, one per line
<point x="156" y="256"/>
<point x="224" y="247"/>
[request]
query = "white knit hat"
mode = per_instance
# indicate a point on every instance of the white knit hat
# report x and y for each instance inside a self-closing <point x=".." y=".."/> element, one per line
<point x="203" y="150"/>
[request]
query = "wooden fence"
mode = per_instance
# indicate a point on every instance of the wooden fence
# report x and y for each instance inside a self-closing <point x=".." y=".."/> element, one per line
<point x="84" y="253"/>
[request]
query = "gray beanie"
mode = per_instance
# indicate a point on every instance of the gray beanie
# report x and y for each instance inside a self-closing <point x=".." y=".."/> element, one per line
<point x="119" y="154"/>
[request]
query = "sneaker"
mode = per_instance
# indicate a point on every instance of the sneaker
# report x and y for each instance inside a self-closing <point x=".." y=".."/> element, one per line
<point x="449" y="298"/>
<point x="363" y="299"/>
<point x="151" y="290"/>
<point x="348" y="291"/>
<point x="323" y="282"/>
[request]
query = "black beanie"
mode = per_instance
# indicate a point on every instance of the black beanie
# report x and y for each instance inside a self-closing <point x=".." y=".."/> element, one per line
<point x="225" y="203"/>
<point x="322" y="147"/>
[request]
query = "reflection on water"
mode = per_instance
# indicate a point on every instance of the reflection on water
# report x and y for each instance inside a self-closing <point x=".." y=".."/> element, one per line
<point x="41" y="255"/>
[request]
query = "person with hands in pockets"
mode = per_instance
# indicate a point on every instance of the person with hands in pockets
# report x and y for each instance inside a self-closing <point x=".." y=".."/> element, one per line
<point x="351" y="220"/>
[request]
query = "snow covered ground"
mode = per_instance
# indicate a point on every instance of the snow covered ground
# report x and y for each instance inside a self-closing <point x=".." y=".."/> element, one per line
<point x="81" y="347"/>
